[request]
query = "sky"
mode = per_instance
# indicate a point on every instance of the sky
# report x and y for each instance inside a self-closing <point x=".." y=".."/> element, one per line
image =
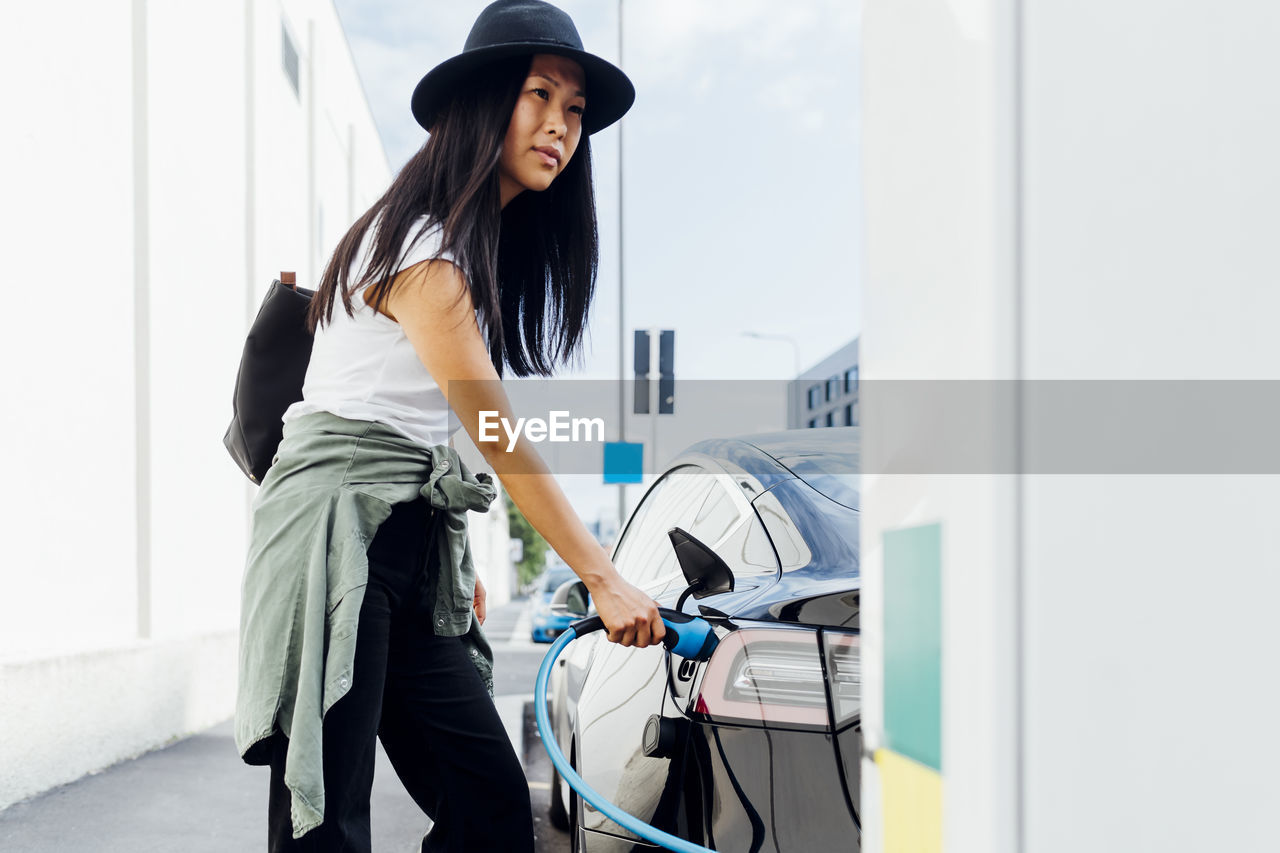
<point x="740" y="180"/>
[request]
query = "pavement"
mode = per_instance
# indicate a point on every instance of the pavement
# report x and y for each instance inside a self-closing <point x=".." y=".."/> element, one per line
<point x="197" y="796"/>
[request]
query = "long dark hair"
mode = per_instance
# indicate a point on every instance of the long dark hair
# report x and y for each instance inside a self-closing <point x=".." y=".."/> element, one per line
<point x="542" y="247"/>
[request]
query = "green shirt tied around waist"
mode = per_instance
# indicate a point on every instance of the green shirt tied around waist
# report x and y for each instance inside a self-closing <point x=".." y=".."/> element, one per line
<point x="333" y="482"/>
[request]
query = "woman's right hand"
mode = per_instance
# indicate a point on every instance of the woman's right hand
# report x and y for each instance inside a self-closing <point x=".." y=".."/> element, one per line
<point x="630" y="617"/>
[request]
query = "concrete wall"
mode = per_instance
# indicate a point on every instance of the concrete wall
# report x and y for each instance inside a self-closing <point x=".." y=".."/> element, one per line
<point x="1158" y="155"/>
<point x="1076" y="191"/>
<point x="938" y="305"/>
<point x="160" y="170"/>
<point x="70" y="418"/>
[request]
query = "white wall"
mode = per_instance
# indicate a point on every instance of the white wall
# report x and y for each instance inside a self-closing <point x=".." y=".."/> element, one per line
<point x="1151" y="204"/>
<point x="939" y="305"/>
<point x="157" y="175"/>
<point x="1081" y="191"/>
<point x="68" y="422"/>
<point x="195" y="241"/>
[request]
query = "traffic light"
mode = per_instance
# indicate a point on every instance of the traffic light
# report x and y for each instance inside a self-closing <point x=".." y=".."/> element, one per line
<point x="644" y="371"/>
<point x="641" y="403"/>
<point x="667" y="372"/>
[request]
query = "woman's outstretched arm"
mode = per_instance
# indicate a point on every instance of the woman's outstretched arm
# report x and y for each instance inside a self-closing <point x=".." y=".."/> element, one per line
<point x="433" y="305"/>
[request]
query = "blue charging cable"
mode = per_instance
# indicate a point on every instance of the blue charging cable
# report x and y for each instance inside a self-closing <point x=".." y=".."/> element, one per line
<point x="688" y="636"/>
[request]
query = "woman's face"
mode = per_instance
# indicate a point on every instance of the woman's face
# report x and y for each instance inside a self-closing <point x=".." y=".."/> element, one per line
<point x="545" y="125"/>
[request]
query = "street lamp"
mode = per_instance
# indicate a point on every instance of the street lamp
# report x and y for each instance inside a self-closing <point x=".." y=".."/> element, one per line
<point x="795" y="348"/>
<point x="622" y="306"/>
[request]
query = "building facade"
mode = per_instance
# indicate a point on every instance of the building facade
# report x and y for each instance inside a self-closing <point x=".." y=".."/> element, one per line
<point x="164" y="161"/>
<point x="827" y="393"/>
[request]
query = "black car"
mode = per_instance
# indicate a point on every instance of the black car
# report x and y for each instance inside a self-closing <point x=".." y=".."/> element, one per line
<point x="758" y="748"/>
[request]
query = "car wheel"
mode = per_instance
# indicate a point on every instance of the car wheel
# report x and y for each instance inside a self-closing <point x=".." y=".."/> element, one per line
<point x="559" y="815"/>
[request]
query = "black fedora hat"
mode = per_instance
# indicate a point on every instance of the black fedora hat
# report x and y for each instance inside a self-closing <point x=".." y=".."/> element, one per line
<point x="514" y="27"/>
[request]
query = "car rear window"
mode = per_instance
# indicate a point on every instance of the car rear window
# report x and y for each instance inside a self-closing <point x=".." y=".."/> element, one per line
<point x="834" y="475"/>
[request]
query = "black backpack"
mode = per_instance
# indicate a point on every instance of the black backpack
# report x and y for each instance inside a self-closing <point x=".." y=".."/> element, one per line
<point x="272" y="368"/>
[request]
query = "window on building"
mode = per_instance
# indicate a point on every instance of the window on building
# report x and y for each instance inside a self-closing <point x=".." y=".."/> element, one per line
<point x="851" y="380"/>
<point x="833" y="388"/>
<point x="831" y="418"/>
<point x="813" y="423"/>
<point x="849" y="418"/>
<point x="289" y="56"/>
<point x="815" y="396"/>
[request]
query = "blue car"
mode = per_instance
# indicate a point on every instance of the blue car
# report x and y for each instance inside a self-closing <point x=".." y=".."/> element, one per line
<point x="546" y="625"/>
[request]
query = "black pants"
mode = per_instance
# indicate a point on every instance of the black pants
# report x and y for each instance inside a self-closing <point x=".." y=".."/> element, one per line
<point x="422" y="696"/>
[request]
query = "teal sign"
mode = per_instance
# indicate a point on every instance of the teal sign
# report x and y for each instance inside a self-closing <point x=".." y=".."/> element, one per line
<point x="623" y="462"/>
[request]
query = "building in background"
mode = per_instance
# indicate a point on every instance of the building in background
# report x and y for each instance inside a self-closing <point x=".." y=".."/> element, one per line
<point x="605" y="530"/>
<point x="827" y="393"/>
<point x="166" y="161"/>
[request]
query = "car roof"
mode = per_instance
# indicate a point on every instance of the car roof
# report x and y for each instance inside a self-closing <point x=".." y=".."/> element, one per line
<point x="826" y="459"/>
<point x="811" y="477"/>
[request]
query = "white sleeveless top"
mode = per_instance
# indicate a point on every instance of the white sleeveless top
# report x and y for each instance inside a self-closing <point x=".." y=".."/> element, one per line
<point x="365" y="368"/>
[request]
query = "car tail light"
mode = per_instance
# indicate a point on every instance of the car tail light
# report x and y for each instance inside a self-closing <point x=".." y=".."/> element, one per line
<point x="765" y="676"/>
<point x="844" y="674"/>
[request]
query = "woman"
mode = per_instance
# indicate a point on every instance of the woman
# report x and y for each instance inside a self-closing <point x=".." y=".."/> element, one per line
<point x="491" y="225"/>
